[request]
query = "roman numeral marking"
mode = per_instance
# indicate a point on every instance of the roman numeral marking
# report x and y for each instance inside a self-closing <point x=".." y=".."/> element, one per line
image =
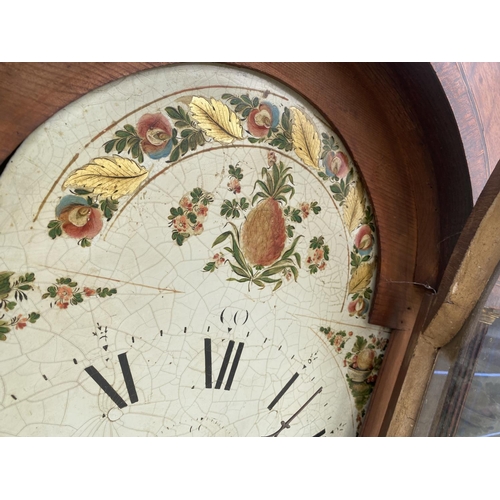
<point x="108" y="389"/>
<point x="320" y="433"/>
<point x="225" y="364"/>
<point x="208" y="363"/>
<point x="282" y="392"/>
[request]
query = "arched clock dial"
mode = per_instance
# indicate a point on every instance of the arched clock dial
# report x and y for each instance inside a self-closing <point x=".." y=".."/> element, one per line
<point x="189" y="252"/>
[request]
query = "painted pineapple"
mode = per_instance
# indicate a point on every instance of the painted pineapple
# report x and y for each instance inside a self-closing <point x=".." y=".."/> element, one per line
<point x="263" y="235"/>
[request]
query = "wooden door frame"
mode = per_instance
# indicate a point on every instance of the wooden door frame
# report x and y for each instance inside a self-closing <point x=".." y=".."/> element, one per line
<point x="468" y="274"/>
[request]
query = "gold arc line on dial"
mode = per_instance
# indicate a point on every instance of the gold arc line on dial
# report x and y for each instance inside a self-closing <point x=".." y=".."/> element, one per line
<point x="186" y="157"/>
<point x="69" y="271"/>
<point x="331" y="321"/>
<point x="228" y="146"/>
<point x="116" y="122"/>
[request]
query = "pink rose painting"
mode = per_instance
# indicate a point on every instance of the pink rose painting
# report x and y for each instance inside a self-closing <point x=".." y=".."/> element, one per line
<point x="336" y="164"/>
<point x="155" y="132"/>
<point x="78" y="219"/>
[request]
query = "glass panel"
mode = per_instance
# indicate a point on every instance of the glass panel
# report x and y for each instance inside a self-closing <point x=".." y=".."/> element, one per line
<point x="463" y="396"/>
<point x="481" y="412"/>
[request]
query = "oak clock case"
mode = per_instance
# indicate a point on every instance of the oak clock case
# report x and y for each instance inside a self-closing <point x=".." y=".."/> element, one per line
<point x="188" y="251"/>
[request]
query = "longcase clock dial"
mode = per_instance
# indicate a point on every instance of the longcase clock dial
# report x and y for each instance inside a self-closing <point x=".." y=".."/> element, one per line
<point x="187" y="251"/>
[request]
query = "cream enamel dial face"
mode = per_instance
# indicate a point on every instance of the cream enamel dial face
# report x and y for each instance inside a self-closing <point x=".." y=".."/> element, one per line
<point x="188" y="251"/>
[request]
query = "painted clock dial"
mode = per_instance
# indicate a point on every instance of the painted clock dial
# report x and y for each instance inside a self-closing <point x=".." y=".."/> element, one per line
<point x="188" y="251"/>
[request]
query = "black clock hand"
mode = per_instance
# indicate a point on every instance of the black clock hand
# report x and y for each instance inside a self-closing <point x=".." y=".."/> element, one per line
<point x="286" y="425"/>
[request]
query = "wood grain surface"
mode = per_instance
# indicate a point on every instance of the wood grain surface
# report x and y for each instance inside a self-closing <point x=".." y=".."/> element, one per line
<point x="473" y="90"/>
<point x="474" y="260"/>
